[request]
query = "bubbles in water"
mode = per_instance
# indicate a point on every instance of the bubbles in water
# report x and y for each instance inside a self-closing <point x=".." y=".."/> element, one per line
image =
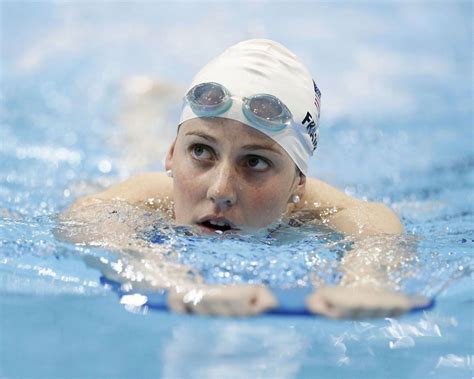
<point x="146" y="251"/>
<point x="105" y="166"/>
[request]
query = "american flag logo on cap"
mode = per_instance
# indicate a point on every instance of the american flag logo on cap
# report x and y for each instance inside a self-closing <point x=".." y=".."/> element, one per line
<point x="317" y="98"/>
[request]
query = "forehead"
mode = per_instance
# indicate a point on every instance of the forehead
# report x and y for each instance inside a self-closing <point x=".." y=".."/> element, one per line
<point x="230" y="131"/>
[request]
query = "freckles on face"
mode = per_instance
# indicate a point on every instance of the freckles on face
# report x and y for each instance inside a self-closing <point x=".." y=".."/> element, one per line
<point x="188" y="192"/>
<point x="266" y="203"/>
<point x="229" y="170"/>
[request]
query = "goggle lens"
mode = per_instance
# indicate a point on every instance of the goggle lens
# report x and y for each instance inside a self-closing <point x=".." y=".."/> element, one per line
<point x="264" y="110"/>
<point x="209" y="95"/>
<point x="267" y="112"/>
<point x="265" y="107"/>
<point x="209" y="99"/>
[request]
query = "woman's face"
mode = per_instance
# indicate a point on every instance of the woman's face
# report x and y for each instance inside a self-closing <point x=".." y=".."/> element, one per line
<point x="228" y="175"/>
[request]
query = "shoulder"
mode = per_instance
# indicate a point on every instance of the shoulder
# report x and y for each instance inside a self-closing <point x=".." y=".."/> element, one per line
<point x="346" y="213"/>
<point x="321" y="195"/>
<point x="142" y="189"/>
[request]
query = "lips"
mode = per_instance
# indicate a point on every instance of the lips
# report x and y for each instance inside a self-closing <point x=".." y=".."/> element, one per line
<point x="211" y="224"/>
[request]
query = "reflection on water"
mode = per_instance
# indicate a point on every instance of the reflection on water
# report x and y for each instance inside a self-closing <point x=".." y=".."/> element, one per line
<point x="236" y="349"/>
<point x="148" y="251"/>
<point x="116" y="343"/>
<point x="273" y="348"/>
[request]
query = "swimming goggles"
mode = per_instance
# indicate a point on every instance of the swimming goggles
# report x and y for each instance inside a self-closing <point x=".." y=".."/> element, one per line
<point x="262" y="110"/>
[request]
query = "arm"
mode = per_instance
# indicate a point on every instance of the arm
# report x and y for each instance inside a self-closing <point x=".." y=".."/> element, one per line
<point x="119" y="226"/>
<point x="112" y="219"/>
<point x="115" y="219"/>
<point x="366" y="288"/>
<point x="106" y="218"/>
<point x="149" y="189"/>
<point x="346" y="214"/>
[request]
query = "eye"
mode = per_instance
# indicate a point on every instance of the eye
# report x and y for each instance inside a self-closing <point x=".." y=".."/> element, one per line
<point x="257" y="163"/>
<point x="202" y="152"/>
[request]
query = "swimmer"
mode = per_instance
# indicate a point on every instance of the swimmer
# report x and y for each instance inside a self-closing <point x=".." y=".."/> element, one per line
<point x="239" y="163"/>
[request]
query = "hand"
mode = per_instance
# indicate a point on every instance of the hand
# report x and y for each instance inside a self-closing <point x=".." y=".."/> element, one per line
<point x="361" y="302"/>
<point x="221" y="300"/>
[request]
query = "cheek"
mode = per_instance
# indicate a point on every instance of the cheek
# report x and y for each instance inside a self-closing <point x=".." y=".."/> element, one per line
<point x="265" y="197"/>
<point x="186" y="194"/>
<point x="269" y="201"/>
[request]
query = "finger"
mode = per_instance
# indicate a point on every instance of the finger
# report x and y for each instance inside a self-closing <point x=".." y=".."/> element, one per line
<point x="262" y="301"/>
<point x="184" y="299"/>
<point x="359" y="313"/>
<point x="318" y="304"/>
<point x="175" y="301"/>
<point x="394" y="312"/>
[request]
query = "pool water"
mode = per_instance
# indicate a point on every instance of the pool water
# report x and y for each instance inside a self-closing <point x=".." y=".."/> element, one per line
<point x="90" y="94"/>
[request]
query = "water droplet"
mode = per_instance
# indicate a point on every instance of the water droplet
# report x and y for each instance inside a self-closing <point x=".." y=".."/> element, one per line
<point x="105" y="166"/>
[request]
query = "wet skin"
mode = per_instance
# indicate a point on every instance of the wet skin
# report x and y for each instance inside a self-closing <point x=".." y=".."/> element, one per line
<point x="227" y="175"/>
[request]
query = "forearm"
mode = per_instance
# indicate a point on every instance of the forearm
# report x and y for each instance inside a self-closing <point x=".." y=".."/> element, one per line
<point x="144" y="270"/>
<point x="120" y="227"/>
<point x="370" y="285"/>
<point x="99" y="223"/>
<point x="376" y="260"/>
<point x="378" y="245"/>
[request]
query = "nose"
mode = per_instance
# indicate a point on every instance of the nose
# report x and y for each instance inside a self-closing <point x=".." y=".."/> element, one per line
<point x="222" y="190"/>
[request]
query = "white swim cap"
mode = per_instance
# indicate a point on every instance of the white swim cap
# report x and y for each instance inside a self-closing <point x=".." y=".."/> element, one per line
<point x="260" y="66"/>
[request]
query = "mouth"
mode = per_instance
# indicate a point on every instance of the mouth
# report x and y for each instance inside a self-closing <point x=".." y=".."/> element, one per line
<point x="215" y="225"/>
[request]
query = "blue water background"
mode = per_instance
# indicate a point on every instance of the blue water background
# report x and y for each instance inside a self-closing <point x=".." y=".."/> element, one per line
<point x="396" y="126"/>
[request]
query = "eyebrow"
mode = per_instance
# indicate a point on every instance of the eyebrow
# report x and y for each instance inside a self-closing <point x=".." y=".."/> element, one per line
<point x="256" y="146"/>
<point x="202" y="135"/>
<point x="261" y="147"/>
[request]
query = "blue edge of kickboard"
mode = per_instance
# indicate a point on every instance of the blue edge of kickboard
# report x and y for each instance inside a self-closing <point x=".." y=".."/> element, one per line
<point x="290" y="301"/>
